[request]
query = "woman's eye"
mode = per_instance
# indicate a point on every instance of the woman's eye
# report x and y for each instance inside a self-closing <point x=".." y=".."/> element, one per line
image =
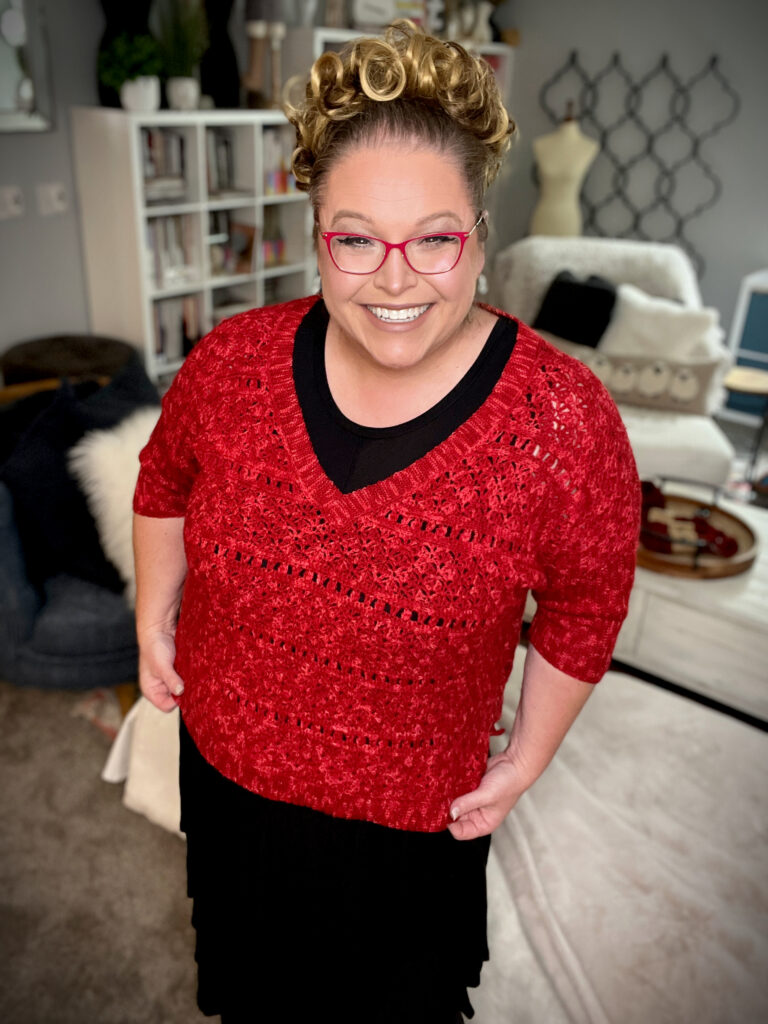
<point x="353" y="241"/>
<point x="433" y="241"/>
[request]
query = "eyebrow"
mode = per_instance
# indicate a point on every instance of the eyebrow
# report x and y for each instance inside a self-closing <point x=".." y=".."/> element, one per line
<point x="353" y="215"/>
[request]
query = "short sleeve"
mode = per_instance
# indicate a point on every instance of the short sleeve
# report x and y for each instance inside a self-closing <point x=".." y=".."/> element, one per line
<point x="588" y="551"/>
<point x="168" y="462"/>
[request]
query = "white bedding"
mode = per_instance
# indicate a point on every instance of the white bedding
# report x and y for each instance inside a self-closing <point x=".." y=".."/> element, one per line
<point x="629" y="885"/>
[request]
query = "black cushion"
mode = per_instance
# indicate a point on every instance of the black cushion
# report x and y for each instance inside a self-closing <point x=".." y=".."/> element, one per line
<point x="58" y="533"/>
<point x="578" y="311"/>
<point x="128" y="390"/>
<point x="17" y="417"/>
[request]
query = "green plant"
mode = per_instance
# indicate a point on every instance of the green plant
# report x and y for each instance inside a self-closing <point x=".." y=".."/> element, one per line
<point x="129" y="57"/>
<point x="182" y="29"/>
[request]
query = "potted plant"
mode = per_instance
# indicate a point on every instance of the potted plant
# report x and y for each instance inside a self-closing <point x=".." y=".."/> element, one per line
<point x="182" y="29"/>
<point x="131" y="64"/>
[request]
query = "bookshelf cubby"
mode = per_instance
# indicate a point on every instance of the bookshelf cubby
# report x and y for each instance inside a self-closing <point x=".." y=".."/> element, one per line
<point x="186" y="218"/>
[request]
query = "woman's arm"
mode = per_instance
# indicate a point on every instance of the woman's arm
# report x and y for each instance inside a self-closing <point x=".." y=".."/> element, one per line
<point x="161" y="568"/>
<point x="550" y="700"/>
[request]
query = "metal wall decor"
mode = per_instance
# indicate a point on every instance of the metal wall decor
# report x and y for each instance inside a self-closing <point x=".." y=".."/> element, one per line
<point x="651" y="177"/>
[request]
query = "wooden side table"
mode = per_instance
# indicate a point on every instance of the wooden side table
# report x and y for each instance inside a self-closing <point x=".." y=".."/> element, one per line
<point x="749" y="380"/>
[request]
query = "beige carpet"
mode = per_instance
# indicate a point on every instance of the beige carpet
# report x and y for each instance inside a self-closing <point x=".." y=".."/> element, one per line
<point x="94" y="919"/>
<point x="630" y="885"/>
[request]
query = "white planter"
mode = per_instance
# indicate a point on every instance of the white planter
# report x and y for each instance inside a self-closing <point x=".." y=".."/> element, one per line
<point x="183" y="93"/>
<point x="141" y="95"/>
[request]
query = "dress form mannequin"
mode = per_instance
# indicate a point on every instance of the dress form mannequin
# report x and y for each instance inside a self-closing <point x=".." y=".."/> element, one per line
<point x="563" y="158"/>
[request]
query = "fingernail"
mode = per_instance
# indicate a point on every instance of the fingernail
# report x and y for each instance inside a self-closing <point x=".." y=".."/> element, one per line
<point x="454" y="813"/>
<point x="179" y="690"/>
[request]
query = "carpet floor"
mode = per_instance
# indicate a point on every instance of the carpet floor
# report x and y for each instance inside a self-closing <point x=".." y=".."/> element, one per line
<point x="94" y="919"/>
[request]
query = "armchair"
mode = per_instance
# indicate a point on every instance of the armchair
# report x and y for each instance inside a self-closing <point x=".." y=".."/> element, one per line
<point x="666" y="441"/>
<point x="65" y="616"/>
<point x="72" y="633"/>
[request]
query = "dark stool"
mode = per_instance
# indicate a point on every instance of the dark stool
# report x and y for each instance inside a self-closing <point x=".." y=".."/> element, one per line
<point x="76" y="356"/>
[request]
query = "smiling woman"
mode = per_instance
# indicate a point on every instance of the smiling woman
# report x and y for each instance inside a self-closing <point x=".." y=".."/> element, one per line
<point x="354" y="493"/>
<point x="403" y="329"/>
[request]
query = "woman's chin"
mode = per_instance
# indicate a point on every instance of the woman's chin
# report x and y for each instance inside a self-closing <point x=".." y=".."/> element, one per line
<point x="397" y="355"/>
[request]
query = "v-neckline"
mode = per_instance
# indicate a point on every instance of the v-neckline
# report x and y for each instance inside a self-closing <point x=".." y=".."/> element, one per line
<point x="365" y="500"/>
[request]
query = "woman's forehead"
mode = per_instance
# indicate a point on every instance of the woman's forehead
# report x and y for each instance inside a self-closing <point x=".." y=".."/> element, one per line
<point x="399" y="178"/>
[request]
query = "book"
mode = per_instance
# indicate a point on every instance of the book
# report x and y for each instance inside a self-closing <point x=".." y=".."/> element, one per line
<point x="219" y="161"/>
<point x="164" y="165"/>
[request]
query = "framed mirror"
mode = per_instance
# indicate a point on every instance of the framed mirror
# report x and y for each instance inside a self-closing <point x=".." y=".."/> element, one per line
<point x="25" y="76"/>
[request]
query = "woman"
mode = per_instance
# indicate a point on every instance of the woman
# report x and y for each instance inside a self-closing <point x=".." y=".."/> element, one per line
<point x="354" y="494"/>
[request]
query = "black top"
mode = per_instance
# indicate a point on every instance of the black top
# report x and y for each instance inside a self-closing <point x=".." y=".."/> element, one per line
<point x="354" y="456"/>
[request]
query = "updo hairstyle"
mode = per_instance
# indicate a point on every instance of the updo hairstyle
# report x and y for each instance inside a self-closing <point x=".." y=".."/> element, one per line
<point x="406" y="86"/>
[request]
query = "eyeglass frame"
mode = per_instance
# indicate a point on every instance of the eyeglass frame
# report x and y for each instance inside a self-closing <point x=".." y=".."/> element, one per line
<point x="328" y="237"/>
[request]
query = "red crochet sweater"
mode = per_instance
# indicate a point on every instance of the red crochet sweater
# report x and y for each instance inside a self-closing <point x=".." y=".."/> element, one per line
<point x="348" y="652"/>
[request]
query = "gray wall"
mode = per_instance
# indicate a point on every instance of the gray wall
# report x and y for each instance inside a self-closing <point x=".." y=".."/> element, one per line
<point x="42" y="286"/>
<point x="733" y="235"/>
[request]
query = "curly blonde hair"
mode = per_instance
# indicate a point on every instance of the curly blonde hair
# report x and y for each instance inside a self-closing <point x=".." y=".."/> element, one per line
<point x="407" y="85"/>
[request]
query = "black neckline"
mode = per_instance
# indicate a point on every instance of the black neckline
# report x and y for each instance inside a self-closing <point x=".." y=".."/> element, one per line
<point x="315" y="482"/>
<point x="354" y="456"/>
<point x="407" y="426"/>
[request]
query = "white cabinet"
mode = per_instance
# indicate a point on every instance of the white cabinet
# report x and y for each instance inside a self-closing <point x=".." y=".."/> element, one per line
<point x="186" y="218"/>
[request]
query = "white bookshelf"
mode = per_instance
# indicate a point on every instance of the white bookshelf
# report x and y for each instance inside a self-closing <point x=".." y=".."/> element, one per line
<point x="186" y="218"/>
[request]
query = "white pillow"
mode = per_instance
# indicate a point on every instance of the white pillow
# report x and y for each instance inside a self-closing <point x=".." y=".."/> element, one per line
<point x="679" y="393"/>
<point x="105" y="464"/>
<point x="644" y="325"/>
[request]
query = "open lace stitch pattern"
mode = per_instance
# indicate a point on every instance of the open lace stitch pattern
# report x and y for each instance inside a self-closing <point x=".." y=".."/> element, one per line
<point x="349" y="652"/>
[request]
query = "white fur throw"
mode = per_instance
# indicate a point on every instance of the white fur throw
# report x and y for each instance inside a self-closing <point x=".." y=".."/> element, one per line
<point x="105" y="464"/>
<point x="524" y="270"/>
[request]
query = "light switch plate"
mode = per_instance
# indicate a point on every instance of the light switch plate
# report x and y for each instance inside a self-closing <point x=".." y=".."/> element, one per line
<point x="11" y="202"/>
<point x="51" y="198"/>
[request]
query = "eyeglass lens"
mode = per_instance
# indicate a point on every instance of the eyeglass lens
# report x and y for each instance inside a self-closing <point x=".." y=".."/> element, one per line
<point x="433" y="254"/>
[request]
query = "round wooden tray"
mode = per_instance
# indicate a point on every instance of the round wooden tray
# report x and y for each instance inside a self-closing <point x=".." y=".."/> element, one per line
<point x="685" y="562"/>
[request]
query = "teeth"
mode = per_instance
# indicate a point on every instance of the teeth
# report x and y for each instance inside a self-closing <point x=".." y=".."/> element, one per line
<point x="399" y="315"/>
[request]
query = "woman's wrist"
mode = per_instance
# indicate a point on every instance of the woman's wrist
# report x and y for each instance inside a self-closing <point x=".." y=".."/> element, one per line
<point x="150" y="631"/>
<point x="525" y="771"/>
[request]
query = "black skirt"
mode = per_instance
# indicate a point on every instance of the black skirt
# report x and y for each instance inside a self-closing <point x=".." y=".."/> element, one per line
<point x="301" y="916"/>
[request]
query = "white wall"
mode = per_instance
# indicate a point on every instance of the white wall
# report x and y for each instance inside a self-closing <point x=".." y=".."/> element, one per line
<point x="42" y="286"/>
<point x="733" y="235"/>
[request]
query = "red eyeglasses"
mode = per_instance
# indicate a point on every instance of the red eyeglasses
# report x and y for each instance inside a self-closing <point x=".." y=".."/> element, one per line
<point x="426" y="254"/>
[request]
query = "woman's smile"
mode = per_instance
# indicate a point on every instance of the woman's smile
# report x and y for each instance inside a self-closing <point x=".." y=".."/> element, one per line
<point x="398" y="314"/>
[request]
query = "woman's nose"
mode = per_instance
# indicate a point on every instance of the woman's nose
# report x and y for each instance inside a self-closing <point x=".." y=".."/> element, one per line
<point x="394" y="275"/>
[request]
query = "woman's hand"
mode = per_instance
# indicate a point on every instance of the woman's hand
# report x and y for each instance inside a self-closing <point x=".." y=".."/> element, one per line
<point x="161" y="568"/>
<point x="549" y="702"/>
<point x="478" y="813"/>
<point x="158" y="679"/>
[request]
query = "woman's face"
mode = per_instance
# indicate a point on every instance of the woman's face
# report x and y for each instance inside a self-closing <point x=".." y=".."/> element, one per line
<point x="397" y="191"/>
